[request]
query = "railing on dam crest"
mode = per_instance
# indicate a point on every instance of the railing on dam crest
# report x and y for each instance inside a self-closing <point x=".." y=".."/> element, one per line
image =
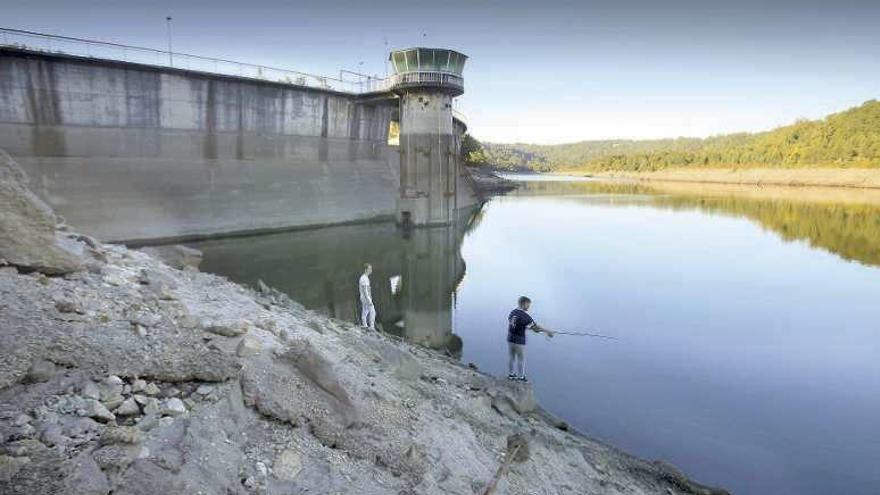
<point x="364" y="84"/>
<point x="65" y="45"/>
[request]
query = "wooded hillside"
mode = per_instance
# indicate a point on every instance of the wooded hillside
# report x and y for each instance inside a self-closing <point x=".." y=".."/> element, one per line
<point x="846" y="139"/>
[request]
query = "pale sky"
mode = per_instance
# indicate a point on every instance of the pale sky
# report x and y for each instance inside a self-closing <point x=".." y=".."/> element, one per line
<point x="541" y="71"/>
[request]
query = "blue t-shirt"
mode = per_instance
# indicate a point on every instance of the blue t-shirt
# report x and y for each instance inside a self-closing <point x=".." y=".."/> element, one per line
<point x="517" y="323"/>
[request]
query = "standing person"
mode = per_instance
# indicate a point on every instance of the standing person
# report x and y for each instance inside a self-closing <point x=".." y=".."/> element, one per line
<point x="368" y="311"/>
<point x="518" y="322"/>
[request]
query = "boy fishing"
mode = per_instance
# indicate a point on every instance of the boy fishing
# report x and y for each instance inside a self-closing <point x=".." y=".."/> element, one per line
<point x="518" y="322"/>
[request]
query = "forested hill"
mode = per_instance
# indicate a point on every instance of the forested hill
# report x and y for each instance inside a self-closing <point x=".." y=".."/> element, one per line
<point x="846" y="139"/>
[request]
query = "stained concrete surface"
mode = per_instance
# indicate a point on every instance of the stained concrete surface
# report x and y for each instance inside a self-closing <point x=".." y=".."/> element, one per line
<point x="129" y="152"/>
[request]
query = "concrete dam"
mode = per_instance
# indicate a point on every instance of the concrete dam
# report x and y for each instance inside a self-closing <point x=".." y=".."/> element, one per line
<point x="144" y="153"/>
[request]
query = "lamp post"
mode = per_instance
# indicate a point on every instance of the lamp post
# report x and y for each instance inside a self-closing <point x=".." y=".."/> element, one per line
<point x="386" y="55"/>
<point x="170" y="54"/>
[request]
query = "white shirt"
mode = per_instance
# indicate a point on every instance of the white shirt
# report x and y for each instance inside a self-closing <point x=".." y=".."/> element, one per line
<point x="364" y="287"/>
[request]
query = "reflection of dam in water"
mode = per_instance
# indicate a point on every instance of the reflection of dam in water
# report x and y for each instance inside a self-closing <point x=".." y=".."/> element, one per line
<point x="320" y="268"/>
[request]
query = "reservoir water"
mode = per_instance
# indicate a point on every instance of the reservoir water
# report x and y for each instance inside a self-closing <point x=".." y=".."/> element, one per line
<point x="748" y="317"/>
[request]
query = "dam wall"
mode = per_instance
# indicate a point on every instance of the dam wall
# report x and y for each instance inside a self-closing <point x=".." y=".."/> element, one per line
<point x="130" y="152"/>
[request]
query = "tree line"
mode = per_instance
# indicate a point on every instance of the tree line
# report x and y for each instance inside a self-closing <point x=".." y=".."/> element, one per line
<point x="847" y="139"/>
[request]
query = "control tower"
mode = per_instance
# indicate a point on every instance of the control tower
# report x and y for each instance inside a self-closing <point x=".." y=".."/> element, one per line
<point x="426" y="80"/>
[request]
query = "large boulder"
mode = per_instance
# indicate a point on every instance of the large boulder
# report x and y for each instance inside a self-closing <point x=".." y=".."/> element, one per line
<point x="300" y="386"/>
<point x="400" y="363"/>
<point x="86" y="477"/>
<point x="512" y="399"/>
<point x="201" y="453"/>
<point x="28" y="236"/>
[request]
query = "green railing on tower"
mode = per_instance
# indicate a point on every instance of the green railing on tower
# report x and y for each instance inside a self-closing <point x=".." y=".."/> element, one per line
<point x="439" y="68"/>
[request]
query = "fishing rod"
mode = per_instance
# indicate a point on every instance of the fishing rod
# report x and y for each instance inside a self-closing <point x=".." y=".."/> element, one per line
<point x="587" y="334"/>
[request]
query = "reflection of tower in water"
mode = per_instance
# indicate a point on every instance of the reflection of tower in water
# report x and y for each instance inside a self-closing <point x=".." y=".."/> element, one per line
<point x="421" y="310"/>
<point x="320" y="269"/>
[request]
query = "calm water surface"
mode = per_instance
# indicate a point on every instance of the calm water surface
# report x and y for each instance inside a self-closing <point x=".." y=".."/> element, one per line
<point x="747" y="317"/>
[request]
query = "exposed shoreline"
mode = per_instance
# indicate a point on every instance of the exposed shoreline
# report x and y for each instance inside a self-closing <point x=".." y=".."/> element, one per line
<point x="862" y="178"/>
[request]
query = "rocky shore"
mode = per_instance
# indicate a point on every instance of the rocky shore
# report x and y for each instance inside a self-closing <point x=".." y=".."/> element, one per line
<point x="124" y="374"/>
